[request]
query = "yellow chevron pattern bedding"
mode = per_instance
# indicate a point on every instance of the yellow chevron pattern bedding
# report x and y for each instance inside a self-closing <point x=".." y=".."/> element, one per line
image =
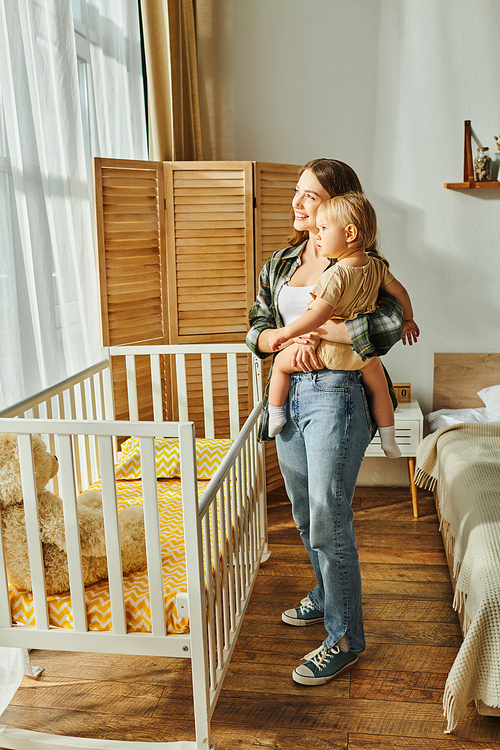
<point x="137" y="605"/>
<point x="209" y="454"/>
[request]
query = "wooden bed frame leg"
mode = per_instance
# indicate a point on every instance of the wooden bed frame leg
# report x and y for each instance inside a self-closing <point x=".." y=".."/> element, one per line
<point x="413" y="486"/>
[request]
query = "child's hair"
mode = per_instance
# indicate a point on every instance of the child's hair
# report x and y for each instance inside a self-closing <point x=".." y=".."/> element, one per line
<point x="355" y="208"/>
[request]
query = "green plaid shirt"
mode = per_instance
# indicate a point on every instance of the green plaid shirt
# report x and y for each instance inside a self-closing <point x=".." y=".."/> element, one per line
<point x="371" y="335"/>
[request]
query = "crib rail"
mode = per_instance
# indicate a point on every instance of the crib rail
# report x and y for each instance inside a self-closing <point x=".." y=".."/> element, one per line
<point x="89" y="395"/>
<point x="85" y="395"/>
<point x="233" y="521"/>
<point x="196" y="372"/>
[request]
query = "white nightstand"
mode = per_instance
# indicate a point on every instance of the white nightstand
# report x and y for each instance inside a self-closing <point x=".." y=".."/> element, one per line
<point x="409" y="432"/>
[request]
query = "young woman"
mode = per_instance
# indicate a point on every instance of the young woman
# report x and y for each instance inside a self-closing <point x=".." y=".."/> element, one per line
<point x="328" y="426"/>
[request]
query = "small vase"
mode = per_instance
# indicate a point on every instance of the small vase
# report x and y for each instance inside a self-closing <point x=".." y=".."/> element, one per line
<point x="482" y="165"/>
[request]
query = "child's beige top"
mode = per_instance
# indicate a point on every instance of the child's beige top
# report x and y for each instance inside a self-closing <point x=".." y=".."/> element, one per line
<point x="351" y="291"/>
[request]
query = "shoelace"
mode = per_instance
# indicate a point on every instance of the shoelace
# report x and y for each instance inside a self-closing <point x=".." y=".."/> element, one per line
<point x="322" y="654"/>
<point x="305" y="605"/>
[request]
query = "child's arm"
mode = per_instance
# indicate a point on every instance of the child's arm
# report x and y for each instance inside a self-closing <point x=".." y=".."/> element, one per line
<point x="411" y="330"/>
<point x="311" y="319"/>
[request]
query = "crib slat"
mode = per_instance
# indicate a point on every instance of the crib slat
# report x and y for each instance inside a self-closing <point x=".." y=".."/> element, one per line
<point x="107" y="397"/>
<point x="5" y="613"/>
<point x="78" y="468"/>
<point x="60" y="400"/>
<point x="153" y="543"/>
<point x="95" y="416"/>
<point x="32" y="533"/>
<point x="208" y="401"/>
<point x="232" y="382"/>
<point x="113" y="553"/>
<point x="52" y="447"/>
<point x="182" y="397"/>
<point x="72" y="534"/>
<point x="86" y="439"/>
<point x="156" y="388"/>
<point x="133" y="406"/>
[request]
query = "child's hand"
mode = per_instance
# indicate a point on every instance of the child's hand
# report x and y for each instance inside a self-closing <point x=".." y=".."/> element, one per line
<point x="276" y="339"/>
<point x="411" y="332"/>
<point x="311" y="339"/>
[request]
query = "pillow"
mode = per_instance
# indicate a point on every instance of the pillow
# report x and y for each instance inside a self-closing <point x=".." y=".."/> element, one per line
<point x="449" y="417"/>
<point x="491" y="399"/>
<point x="209" y="455"/>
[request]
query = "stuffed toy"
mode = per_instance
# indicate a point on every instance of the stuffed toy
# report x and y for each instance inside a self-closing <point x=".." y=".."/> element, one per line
<point x="50" y="509"/>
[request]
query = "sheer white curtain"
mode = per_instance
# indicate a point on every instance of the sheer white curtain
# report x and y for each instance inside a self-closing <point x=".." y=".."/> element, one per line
<point x="49" y="324"/>
<point x="117" y="83"/>
<point x="56" y="109"/>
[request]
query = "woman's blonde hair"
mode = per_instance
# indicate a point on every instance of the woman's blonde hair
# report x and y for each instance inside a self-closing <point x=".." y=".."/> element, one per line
<point x="355" y="208"/>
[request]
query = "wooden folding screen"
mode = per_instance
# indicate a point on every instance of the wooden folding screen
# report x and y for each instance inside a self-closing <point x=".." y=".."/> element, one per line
<point x="180" y="246"/>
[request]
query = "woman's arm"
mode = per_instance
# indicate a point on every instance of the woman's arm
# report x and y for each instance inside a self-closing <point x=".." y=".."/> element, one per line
<point x="374" y="334"/>
<point x="411" y="330"/>
<point x="309" y="321"/>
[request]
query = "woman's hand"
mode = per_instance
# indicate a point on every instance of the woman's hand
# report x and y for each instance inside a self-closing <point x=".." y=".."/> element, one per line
<point x="411" y="332"/>
<point x="304" y="356"/>
<point x="275" y="339"/>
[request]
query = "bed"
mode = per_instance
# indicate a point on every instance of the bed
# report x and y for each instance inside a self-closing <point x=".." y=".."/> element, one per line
<point x="460" y="461"/>
<point x="204" y="505"/>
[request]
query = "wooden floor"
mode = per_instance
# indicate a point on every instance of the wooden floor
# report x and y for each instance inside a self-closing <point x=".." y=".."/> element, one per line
<point x="391" y="700"/>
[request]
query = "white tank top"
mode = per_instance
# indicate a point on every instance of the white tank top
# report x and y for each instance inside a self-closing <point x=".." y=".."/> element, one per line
<point x="293" y="301"/>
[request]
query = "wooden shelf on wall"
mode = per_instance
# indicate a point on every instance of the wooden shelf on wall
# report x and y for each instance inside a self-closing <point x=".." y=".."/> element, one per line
<point x="469" y="182"/>
<point x="467" y="186"/>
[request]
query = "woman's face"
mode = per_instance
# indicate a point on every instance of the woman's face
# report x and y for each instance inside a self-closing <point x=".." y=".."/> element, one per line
<point x="309" y="195"/>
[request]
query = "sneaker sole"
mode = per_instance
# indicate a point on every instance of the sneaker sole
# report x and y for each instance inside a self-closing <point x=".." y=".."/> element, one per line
<point x="300" y="623"/>
<point x="321" y="680"/>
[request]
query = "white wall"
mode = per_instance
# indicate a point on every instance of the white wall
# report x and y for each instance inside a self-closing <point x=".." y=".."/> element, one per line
<point x="384" y="85"/>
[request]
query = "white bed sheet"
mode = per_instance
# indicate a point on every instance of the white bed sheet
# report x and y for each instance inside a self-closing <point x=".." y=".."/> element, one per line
<point x="442" y="418"/>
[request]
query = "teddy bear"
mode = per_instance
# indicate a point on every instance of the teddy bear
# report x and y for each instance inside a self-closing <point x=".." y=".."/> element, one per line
<point x="51" y="519"/>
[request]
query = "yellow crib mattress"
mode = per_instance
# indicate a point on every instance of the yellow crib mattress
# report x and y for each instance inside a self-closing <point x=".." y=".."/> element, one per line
<point x="135" y="585"/>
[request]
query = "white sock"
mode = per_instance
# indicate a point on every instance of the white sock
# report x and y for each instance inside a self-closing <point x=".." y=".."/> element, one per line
<point x="277" y="419"/>
<point x="343" y="644"/>
<point x="388" y="440"/>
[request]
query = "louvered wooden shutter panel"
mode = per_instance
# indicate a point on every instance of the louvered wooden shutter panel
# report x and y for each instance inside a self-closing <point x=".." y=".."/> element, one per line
<point x="274" y="190"/>
<point x="129" y="225"/>
<point x="210" y="250"/>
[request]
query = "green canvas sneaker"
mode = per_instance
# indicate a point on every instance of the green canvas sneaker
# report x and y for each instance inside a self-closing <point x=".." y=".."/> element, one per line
<point x="306" y="614"/>
<point x="323" y="665"/>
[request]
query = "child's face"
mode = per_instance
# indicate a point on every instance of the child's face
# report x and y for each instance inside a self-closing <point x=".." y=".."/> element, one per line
<point x="331" y="239"/>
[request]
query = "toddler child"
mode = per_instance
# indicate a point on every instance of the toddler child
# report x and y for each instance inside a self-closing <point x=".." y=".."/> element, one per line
<point x="347" y="227"/>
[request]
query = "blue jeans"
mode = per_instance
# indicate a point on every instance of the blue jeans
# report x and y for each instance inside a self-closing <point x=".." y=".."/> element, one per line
<point x="320" y="450"/>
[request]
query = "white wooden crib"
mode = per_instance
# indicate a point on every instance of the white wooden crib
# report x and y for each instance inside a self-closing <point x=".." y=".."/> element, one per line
<point x="225" y="529"/>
